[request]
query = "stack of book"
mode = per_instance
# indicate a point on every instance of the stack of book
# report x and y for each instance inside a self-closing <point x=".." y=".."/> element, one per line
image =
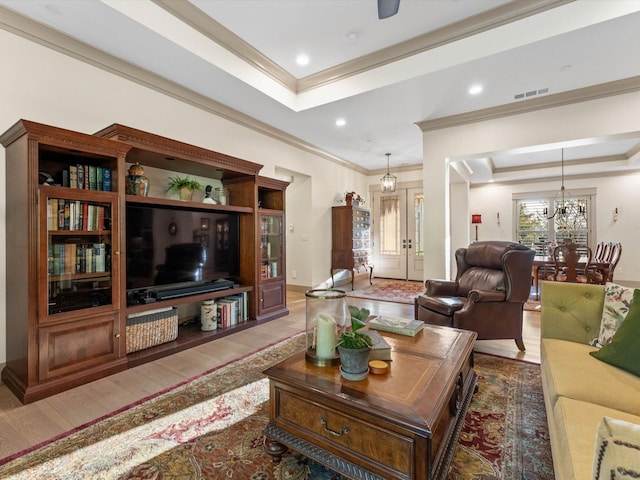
<point x="381" y="350"/>
<point x="403" y="326"/>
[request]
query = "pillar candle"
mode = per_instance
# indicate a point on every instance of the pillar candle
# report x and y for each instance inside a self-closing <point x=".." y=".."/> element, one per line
<point x="326" y="336"/>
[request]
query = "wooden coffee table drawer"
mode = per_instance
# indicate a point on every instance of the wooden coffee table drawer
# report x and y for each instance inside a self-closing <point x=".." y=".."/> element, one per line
<point x="361" y="439"/>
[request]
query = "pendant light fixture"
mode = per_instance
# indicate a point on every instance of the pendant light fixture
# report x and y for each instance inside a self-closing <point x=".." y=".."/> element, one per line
<point x="388" y="182"/>
<point x="565" y="197"/>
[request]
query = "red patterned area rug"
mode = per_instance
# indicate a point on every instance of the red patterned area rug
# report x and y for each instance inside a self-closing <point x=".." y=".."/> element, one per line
<point x="211" y="428"/>
<point x="397" y="291"/>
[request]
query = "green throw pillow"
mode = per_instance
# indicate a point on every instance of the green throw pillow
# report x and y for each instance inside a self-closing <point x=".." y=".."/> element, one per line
<point x="623" y="351"/>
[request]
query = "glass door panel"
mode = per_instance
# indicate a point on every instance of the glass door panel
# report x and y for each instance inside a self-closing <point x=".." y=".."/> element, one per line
<point x="390" y="244"/>
<point x="415" y="235"/>
<point x="271" y="234"/>
<point x="398" y="238"/>
<point x="79" y="249"/>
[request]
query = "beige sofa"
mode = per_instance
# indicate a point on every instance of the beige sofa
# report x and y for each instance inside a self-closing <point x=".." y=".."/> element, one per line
<point x="579" y="390"/>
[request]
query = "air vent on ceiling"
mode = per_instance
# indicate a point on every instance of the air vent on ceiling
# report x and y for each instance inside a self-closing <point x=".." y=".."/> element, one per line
<point x="531" y="93"/>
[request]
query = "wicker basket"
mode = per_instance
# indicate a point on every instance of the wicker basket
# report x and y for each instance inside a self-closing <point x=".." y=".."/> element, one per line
<point x="151" y="329"/>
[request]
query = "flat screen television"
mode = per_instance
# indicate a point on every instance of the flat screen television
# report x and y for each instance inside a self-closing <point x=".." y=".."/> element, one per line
<point x="169" y="246"/>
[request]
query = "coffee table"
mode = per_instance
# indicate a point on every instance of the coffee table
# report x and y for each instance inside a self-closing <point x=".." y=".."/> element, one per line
<point x="401" y="425"/>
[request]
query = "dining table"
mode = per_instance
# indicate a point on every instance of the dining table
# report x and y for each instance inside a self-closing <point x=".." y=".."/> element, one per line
<point x="571" y="264"/>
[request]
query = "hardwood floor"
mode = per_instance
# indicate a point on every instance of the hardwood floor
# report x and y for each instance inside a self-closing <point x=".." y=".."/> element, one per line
<point x="23" y="426"/>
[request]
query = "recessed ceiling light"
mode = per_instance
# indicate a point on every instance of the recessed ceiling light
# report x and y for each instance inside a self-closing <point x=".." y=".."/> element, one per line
<point x="475" y="89"/>
<point x="302" y="59"/>
<point x="341" y="122"/>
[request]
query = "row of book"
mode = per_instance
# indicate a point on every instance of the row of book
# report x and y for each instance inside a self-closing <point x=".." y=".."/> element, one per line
<point x="88" y="177"/>
<point x="75" y="215"/>
<point x="269" y="270"/>
<point x="73" y="258"/>
<point x="232" y="310"/>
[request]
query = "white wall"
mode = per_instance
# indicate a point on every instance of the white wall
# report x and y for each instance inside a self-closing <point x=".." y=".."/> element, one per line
<point x="45" y="86"/>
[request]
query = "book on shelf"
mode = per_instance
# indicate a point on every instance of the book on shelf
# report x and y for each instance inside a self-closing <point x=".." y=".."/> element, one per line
<point x="99" y="178"/>
<point x="73" y="176"/>
<point x="93" y="178"/>
<point x="80" y="176"/>
<point x="106" y="179"/>
<point x="403" y="326"/>
<point x="85" y="168"/>
<point x="380" y="350"/>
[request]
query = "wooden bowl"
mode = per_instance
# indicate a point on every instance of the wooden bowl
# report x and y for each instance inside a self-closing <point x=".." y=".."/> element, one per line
<point x="378" y="367"/>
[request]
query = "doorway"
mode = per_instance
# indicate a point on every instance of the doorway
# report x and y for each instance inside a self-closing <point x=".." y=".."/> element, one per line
<point x="398" y="246"/>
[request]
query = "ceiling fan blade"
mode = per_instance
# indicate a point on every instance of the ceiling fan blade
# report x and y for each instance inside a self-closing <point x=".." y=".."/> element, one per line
<point x="387" y="8"/>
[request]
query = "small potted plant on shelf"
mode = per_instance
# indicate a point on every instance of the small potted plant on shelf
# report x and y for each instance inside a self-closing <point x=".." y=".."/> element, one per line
<point x="185" y="186"/>
<point x="353" y="198"/>
<point x="354" y="346"/>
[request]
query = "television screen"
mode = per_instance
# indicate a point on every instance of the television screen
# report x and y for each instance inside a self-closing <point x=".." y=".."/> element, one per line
<point x="168" y="246"/>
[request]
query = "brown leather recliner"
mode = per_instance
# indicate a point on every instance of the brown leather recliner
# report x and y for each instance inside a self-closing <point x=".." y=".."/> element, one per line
<point x="492" y="284"/>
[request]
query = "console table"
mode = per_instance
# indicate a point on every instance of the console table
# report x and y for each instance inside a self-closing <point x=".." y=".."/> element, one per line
<point x="401" y="425"/>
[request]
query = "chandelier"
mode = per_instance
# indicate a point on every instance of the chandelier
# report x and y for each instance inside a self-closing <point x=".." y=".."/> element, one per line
<point x="562" y="207"/>
<point x="388" y="181"/>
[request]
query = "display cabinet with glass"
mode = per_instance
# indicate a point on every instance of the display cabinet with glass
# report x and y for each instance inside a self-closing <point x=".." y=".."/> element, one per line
<point x="272" y="268"/>
<point x="64" y="326"/>
<point x="351" y="241"/>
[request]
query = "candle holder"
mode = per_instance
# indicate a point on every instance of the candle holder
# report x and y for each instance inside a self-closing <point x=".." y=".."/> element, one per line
<point x="326" y="319"/>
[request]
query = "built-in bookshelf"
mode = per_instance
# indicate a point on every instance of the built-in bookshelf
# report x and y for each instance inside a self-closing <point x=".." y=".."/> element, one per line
<point x="67" y="245"/>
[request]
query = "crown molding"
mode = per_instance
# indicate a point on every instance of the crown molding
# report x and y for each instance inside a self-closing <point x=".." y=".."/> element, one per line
<point x="510" y="12"/>
<point x="197" y="19"/>
<point x="57" y="41"/>
<point x="618" y="87"/>
<point x="218" y="33"/>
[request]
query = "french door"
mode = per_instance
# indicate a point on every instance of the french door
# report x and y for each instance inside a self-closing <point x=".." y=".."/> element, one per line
<point x="398" y="247"/>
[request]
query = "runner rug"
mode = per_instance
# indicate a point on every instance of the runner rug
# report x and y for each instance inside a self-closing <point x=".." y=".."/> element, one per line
<point x="211" y="428"/>
<point x="397" y="291"/>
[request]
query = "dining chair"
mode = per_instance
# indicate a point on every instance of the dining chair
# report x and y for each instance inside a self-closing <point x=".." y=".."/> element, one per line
<point x="571" y="263"/>
<point x="602" y="269"/>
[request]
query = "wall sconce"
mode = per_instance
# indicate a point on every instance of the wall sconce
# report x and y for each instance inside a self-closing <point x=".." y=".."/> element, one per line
<point x="476" y="219"/>
<point x="615" y="214"/>
<point x="498" y="218"/>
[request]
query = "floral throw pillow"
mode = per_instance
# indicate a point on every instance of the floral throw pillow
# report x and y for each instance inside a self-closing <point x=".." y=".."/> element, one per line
<point x="617" y="299"/>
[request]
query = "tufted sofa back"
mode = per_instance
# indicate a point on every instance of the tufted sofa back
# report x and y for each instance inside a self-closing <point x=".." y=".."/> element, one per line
<point x="571" y="311"/>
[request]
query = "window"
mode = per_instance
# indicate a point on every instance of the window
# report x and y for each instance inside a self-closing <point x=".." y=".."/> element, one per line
<point x="534" y="229"/>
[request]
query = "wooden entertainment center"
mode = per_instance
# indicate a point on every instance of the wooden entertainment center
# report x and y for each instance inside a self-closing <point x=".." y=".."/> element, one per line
<point x="66" y="250"/>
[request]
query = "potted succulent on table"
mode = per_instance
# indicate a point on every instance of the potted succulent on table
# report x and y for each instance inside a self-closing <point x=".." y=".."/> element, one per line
<point x="185" y="186"/>
<point x="354" y="346"/>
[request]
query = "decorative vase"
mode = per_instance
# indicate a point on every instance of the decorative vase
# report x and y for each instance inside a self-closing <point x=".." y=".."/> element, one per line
<point x="348" y="199"/>
<point x="354" y="362"/>
<point x="326" y="319"/>
<point x="136" y="183"/>
<point x="222" y="195"/>
<point x="186" y="194"/>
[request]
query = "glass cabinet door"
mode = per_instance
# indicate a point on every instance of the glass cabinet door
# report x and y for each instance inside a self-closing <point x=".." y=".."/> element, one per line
<point x="79" y="246"/>
<point x="361" y="238"/>
<point x="271" y="246"/>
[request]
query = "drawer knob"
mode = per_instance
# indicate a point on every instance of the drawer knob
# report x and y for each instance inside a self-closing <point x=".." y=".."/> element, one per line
<point x="344" y="430"/>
